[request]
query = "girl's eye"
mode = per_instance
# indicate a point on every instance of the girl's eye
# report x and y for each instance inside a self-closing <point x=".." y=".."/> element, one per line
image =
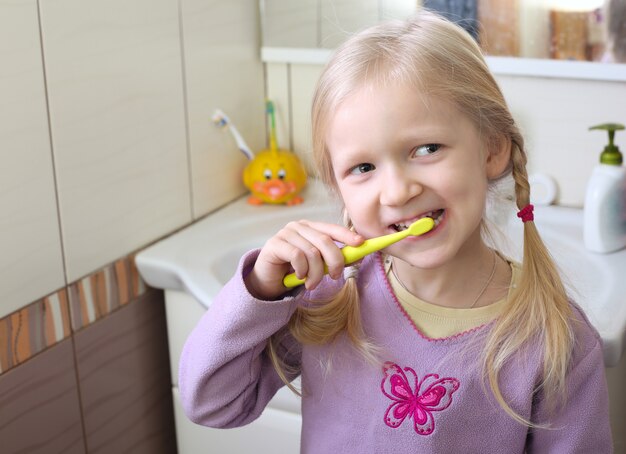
<point x="362" y="168"/>
<point x="425" y="150"/>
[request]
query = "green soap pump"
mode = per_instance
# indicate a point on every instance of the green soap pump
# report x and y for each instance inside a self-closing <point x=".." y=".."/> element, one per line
<point x="604" y="227"/>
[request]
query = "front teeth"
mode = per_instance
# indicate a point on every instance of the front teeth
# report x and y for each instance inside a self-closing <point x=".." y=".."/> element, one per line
<point x="436" y="215"/>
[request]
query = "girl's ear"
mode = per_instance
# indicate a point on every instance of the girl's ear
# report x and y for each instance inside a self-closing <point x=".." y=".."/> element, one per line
<point x="499" y="158"/>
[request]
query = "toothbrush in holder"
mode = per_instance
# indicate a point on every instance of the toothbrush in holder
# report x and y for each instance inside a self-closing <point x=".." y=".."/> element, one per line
<point x="269" y="108"/>
<point x="222" y="121"/>
<point x="353" y="253"/>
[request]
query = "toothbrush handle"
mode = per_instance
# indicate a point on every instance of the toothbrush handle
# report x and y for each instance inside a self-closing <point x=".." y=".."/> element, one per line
<point x="353" y="253"/>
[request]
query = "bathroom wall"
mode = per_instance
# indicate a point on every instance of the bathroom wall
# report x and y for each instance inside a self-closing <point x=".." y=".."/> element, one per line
<point x="554" y="114"/>
<point x="107" y="145"/>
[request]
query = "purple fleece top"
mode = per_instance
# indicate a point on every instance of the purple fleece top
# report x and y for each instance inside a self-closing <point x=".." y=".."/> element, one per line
<point x="425" y="396"/>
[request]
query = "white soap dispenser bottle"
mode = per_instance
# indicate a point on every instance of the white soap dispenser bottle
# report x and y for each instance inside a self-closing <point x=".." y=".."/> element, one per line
<point x="604" y="227"/>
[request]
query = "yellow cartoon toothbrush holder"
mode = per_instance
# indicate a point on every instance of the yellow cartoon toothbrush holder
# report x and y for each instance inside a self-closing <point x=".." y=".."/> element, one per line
<point x="273" y="176"/>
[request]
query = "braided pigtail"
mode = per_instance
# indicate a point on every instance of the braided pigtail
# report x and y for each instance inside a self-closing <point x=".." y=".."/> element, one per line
<point x="538" y="308"/>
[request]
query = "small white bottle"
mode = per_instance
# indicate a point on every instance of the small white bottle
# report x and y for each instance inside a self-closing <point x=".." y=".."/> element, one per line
<point x="604" y="227"/>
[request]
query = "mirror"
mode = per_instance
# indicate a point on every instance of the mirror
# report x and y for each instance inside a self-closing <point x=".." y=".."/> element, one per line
<point x="539" y="29"/>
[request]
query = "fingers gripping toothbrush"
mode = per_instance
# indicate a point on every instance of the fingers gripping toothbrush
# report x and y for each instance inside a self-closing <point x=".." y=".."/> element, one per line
<point x="353" y="253"/>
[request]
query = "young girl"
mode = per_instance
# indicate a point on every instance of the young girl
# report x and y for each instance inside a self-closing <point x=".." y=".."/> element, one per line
<point x="438" y="344"/>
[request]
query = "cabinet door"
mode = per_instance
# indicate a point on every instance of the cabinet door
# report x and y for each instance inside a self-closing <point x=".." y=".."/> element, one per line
<point x="274" y="431"/>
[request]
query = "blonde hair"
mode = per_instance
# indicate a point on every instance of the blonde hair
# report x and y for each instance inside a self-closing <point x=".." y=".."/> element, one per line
<point x="441" y="59"/>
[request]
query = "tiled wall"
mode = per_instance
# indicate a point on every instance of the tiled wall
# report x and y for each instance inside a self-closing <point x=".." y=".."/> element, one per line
<point x="31" y="263"/>
<point x="554" y="114"/>
<point x="106" y="139"/>
<point x="106" y="145"/>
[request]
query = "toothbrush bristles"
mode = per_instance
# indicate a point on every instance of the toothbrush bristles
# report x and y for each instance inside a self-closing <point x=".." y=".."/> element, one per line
<point x="220" y="119"/>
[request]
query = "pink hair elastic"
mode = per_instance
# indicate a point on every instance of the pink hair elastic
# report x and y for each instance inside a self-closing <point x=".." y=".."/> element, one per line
<point x="526" y="213"/>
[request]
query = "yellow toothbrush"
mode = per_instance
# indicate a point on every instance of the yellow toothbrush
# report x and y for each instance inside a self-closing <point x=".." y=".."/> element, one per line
<point x="351" y="253"/>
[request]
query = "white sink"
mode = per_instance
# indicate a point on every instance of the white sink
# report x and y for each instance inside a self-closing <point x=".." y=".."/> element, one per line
<point x="202" y="257"/>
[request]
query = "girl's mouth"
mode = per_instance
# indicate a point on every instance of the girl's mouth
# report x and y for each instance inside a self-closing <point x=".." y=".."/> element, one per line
<point x="436" y="215"/>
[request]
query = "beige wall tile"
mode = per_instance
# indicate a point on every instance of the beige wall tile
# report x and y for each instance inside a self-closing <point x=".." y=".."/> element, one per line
<point x="117" y="122"/>
<point x="289" y="23"/>
<point x="341" y="18"/>
<point x="122" y="367"/>
<point x="40" y="405"/>
<point x="324" y="23"/>
<point x="30" y="262"/>
<point x="223" y="70"/>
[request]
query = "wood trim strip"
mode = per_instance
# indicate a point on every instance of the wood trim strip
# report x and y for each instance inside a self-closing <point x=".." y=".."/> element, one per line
<point x="51" y="319"/>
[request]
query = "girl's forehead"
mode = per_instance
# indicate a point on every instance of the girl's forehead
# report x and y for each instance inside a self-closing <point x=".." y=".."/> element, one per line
<point x="425" y="95"/>
<point x="399" y="101"/>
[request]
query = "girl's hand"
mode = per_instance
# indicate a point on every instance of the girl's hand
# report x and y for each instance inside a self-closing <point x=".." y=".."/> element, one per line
<point x="304" y="247"/>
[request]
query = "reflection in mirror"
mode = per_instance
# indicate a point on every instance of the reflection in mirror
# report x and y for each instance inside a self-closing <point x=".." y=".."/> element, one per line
<point x="616" y="32"/>
<point x="587" y="30"/>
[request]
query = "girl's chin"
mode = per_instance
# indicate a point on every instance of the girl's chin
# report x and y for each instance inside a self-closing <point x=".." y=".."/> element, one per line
<point x="416" y="256"/>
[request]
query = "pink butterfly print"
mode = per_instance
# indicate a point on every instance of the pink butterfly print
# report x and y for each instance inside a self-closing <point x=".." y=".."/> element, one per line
<point x="432" y="394"/>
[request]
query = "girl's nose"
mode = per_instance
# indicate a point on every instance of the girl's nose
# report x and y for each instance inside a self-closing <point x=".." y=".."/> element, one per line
<point x="398" y="188"/>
